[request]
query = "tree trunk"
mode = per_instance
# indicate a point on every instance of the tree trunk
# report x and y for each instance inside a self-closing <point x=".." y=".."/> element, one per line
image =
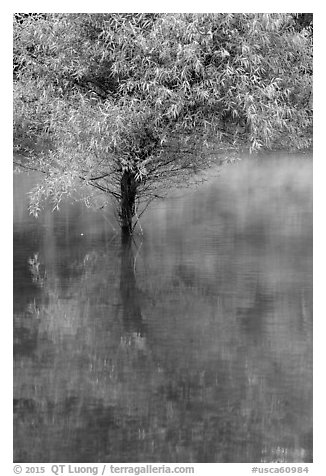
<point x="128" y="197"/>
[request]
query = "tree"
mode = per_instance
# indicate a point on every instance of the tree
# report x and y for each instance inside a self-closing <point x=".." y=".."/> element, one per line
<point x="303" y="20"/>
<point x="130" y="104"/>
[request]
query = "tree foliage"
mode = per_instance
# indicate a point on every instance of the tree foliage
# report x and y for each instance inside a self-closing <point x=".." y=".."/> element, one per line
<point x="128" y="103"/>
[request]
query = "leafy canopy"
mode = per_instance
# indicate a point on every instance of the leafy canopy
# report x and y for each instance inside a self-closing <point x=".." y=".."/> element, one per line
<point x="154" y="94"/>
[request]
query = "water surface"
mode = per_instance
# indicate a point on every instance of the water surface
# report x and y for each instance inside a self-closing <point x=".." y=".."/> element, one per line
<point x="194" y="344"/>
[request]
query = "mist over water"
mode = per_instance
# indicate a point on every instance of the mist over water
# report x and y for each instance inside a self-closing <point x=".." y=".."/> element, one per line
<point x="193" y="343"/>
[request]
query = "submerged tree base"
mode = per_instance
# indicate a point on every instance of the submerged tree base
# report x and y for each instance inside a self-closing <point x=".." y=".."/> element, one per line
<point x="133" y="104"/>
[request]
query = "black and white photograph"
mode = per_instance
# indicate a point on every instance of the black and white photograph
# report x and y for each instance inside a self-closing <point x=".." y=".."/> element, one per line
<point x="162" y="240"/>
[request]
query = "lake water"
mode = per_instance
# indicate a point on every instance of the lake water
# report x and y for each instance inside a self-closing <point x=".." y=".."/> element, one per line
<point x="192" y="345"/>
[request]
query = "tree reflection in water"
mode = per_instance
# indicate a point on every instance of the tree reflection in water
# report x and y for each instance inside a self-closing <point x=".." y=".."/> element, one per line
<point x="130" y="295"/>
<point x="198" y="352"/>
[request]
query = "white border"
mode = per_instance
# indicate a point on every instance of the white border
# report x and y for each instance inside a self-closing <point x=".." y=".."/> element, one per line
<point x="318" y="467"/>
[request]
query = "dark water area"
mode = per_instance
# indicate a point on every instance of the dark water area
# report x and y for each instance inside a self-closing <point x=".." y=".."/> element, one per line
<point x="193" y="344"/>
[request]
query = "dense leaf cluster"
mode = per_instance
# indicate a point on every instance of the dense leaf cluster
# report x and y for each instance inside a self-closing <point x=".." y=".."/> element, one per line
<point x="151" y="94"/>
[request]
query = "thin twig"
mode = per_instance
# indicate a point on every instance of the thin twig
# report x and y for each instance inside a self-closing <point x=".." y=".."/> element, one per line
<point x="146" y="206"/>
<point x="138" y="250"/>
<point x="137" y="221"/>
<point x="109" y="222"/>
<point x="29" y="168"/>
